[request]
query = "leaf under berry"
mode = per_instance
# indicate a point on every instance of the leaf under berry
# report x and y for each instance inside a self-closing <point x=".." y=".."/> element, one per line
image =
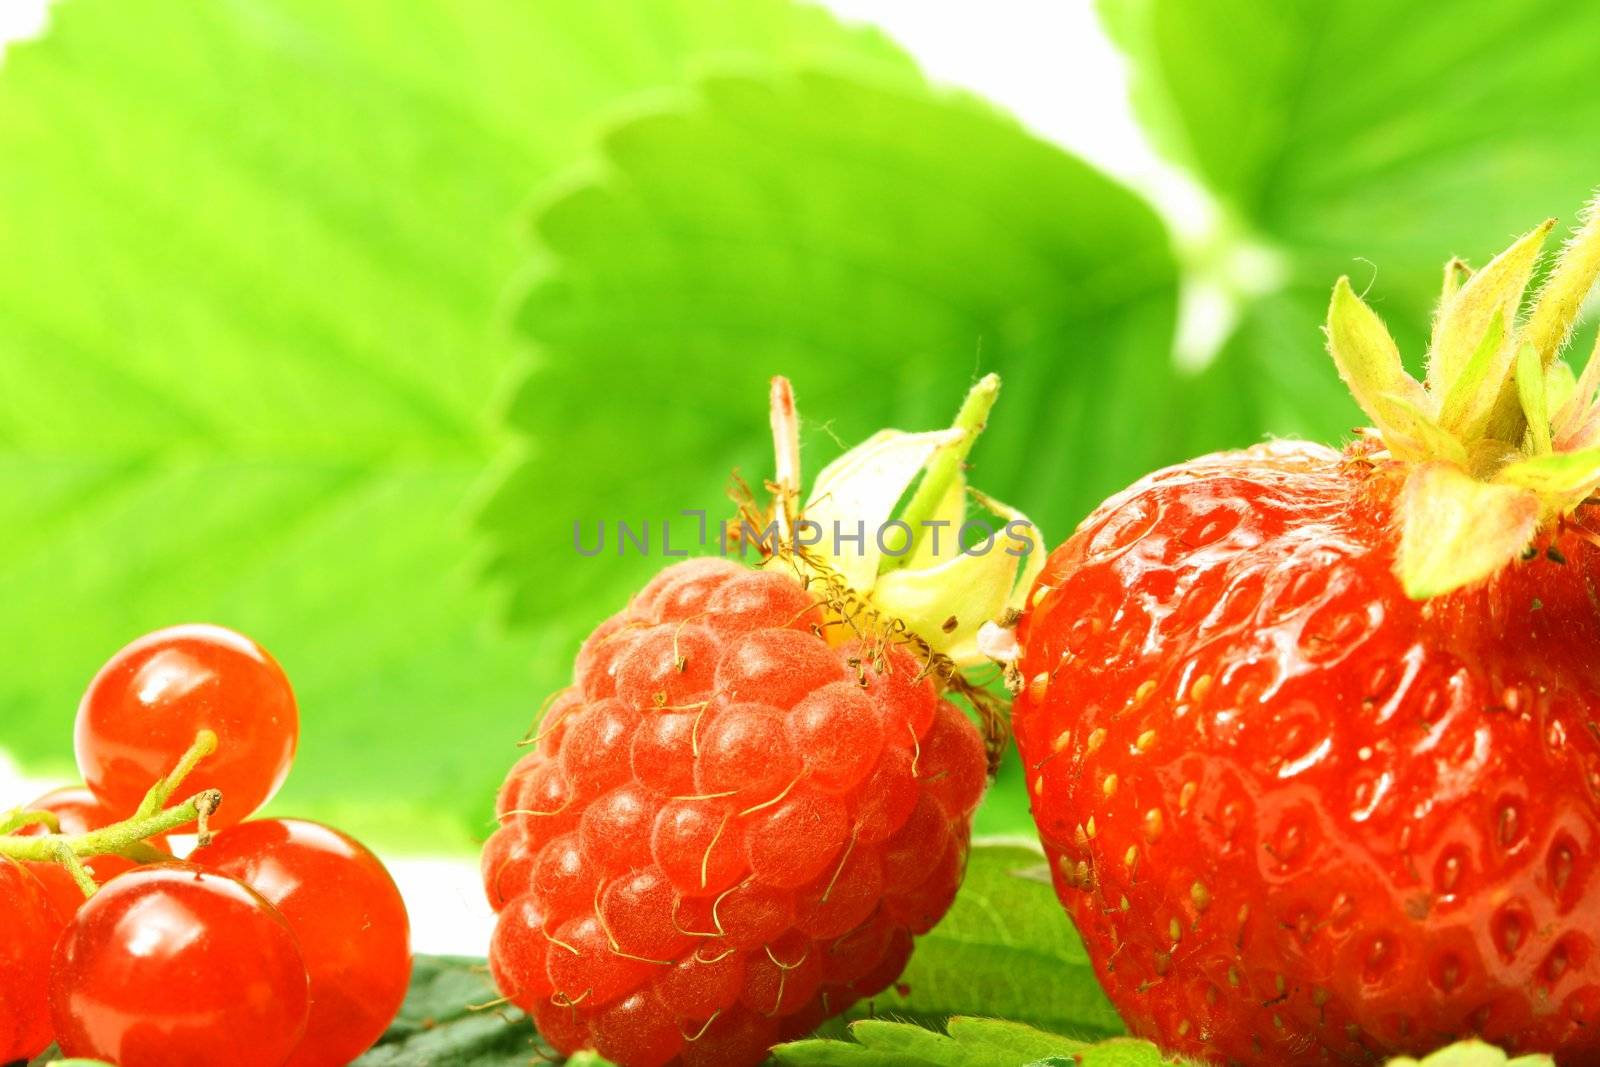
<point x="445" y="1022"/>
<point x="966" y="1042"/>
<point x="1004" y="940"/>
<point x="295" y="357"/>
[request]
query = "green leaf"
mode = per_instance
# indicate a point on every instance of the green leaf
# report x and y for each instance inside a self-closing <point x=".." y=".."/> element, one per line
<point x="254" y="259"/>
<point x="1005" y="939"/>
<point x="1256" y="385"/>
<point x="444" y="1022"/>
<point x="881" y="248"/>
<point x="452" y="1018"/>
<point x="1353" y="140"/>
<point x="970" y="1042"/>
<point x="1003" y="1036"/>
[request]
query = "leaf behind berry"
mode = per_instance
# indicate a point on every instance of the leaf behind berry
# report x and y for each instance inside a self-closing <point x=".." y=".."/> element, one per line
<point x="1004" y="940"/>
<point x="966" y="1042"/>
<point x="254" y="254"/>
<point x="1342" y="135"/>
<point x="452" y="1018"/>
<point x="877" y="245"/>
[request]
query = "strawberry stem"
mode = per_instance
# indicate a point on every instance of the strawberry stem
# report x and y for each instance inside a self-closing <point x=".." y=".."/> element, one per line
<point x="945" y="468"/>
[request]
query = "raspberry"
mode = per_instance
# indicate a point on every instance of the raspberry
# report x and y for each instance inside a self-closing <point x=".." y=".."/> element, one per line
<point x="729" y="829"/>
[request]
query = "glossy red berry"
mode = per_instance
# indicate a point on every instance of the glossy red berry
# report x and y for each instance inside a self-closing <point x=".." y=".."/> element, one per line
<point x="1297" y="816"/>
<point x="29" y="923"/>
<point x="691" y="864"/>
<point x="77" y="810"/>
<point x="347" y="915"/>
<point x="173" y="965"/>
<point x="143" y="710"/>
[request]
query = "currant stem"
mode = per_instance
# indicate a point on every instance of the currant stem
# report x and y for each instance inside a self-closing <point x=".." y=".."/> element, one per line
<point x="205" y="743"/>
<point x="66" y="857"/>
<point x="945" y="468"/>
<point x="144" y="852"/>
<point x="18" y="818"/>
<point x="125" y="838"/>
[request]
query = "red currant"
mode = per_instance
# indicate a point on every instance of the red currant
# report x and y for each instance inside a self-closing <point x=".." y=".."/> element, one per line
<point x="77" y="810"/>
<point x="144" y="708"/>
<point x="29" y="922"/>
<point x="173" y="965"/>
<point x="348" y="916"/>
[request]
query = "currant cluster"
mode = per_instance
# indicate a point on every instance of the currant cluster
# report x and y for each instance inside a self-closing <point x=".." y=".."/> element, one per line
<point x="275" y="942"/>
<point x="729" y="829"/>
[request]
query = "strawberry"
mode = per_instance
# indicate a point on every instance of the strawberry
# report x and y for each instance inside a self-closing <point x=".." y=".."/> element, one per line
<point x="1311" y="735"/>
<point x="757" y="790"/>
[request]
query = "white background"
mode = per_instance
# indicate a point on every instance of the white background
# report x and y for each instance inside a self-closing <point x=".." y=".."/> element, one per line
<point x="1049" y="63"/>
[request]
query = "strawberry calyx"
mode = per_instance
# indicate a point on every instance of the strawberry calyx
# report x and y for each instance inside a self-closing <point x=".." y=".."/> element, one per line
<point x="1499" y="440"/>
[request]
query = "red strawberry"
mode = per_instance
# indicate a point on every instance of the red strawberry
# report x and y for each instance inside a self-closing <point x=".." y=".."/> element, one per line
<point x="1311" y="737"/>
<point x="755" y="793"/>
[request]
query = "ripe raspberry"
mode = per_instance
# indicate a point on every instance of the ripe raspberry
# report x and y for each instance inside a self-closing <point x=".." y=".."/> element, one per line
<point x="729" y="829"/>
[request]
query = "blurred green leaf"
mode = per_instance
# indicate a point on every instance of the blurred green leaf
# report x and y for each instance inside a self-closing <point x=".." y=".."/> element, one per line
<point x="254" y="253"/>
<point x="881" y="248"/>
<point x="1353" y="141"/>
<point x="1004" y="940"/>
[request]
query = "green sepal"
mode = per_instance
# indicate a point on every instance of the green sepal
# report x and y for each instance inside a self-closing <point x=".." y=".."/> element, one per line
<point x="1366" y="356"/>
<point x="1456" y="530"/>
<point x="1500" y="438"/>
<point x="1532" y="396"/>
<point x="1571" y="413"/>
<point x="859" y="491"/>
<point x="1412" y="434"/>
<point x="1560" y="386"/>
<point x="1456" y="273"/>
<point x="1470" y="399"/>
<point x="1496" y="289"/>
<point x="1564" y="474"/>
<point x="1553" y="315"/>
